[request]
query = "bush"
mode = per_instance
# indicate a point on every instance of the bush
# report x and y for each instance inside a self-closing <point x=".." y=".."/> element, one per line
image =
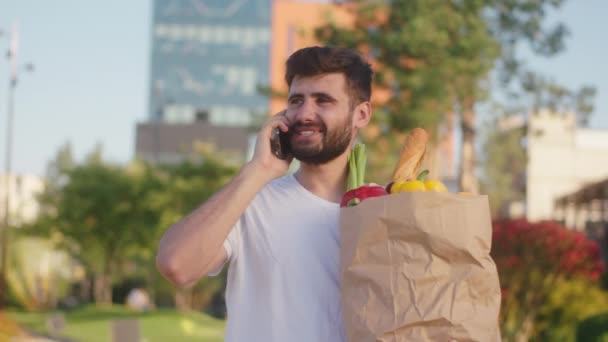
<point x="38" y="275"/>
<point x="533" y="259"/>
<point x="569" y="303"/>
<point x="593" y="329"/>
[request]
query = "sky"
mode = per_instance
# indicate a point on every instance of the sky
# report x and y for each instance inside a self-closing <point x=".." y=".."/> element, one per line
<point x="91" y="62"/>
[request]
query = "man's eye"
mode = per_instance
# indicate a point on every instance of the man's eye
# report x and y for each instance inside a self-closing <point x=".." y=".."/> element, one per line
<point x="295" y="101"/>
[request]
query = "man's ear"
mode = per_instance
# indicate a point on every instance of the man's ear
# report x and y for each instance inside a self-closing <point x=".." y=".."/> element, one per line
<point x="362" y="115"/>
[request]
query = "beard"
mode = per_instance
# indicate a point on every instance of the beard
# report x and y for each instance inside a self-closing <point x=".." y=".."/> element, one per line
<point x="333" y="143"/>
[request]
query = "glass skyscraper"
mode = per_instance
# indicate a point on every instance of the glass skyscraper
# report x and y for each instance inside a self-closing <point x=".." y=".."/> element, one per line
<point x="207" y="59"/>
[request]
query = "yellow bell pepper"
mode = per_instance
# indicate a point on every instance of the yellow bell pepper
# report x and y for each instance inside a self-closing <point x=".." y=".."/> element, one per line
<point x="435" y="185"/>
<point x="411" y="186"/>
<point x="394" y="187"/>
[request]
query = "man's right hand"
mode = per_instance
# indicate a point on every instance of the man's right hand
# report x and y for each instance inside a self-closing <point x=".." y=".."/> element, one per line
<point x="263" y="159"/>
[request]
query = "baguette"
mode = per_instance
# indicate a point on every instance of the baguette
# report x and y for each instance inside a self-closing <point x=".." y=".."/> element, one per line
<point x="411" y="155"/>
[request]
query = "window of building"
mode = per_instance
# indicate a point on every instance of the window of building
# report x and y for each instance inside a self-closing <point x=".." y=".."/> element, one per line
<point x="19" y="184"/>
<point x="220" y="35"/>
<point x="248" y="81"/>
<point x="190" y="32"/>
<point x="234" y="34"/>
<point x="160" y="31"/>
<point x="229" y="116"/>
<point x="216" y="115"/>
<point x="179" y="114"/>
<point x="202" y="115"/>
<point x="232" y="75"/>
<point x="167" y="47"/>
<point x="204" y="34"/>
<point x="264" y="35"/>
<point x="174" y="32"/>
<point x="249" y="38"/>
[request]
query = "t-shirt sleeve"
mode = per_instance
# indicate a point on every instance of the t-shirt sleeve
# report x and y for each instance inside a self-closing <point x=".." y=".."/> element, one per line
<point x="231" y="246"/>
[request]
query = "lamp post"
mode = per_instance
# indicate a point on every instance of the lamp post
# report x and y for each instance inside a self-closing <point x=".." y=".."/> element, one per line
<point x="12" y="86"/>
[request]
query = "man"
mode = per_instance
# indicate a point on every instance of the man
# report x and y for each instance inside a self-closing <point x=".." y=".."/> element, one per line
<point x="280" y="233"/>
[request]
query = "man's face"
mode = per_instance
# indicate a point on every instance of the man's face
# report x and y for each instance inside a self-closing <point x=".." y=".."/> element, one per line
<point x="319" y="110"/>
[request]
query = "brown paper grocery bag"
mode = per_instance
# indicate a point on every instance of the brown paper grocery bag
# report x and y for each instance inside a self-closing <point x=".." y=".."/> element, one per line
<point x="417" y="267"/>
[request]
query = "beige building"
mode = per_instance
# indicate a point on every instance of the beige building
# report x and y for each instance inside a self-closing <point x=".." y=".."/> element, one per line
<point x="23" y="193"/>
<point x="562" y="158"/>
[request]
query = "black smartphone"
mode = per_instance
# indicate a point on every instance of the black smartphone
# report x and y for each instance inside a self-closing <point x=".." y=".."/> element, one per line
<point x="279" y="144"/>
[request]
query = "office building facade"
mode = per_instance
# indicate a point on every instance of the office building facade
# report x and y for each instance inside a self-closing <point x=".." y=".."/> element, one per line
<point x="208" y="58"/>
<point x="208" y="61"/>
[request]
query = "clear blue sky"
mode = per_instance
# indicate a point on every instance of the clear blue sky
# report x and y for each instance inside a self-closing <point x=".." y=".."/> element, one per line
<point x="91" y="73"/>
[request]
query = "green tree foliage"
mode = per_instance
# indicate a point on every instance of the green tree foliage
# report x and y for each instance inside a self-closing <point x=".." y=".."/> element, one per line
<point x="569" y="303"/>
<point x="429" y="55"/>
<point x="593" y="329"/>
<point x="101" y="211"/>
<point x="434" y="58"/>
<point x="97" y="212"/>
<point x="188" y="184"/>
<point x="544" y="93"/>
<point x="523" y="24"/>
<point x="111" y="217"/>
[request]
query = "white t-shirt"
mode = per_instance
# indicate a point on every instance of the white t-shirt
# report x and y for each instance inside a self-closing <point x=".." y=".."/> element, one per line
<point x="283" y="277"/>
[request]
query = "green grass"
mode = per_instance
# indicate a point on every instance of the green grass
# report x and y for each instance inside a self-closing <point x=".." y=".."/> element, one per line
<point x="91" y="324"/>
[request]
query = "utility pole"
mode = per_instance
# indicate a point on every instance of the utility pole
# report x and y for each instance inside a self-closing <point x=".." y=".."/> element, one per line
<point x="12" y="85"/>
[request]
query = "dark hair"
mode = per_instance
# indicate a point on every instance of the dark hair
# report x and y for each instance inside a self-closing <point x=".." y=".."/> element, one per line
<point x="317" y="60"/>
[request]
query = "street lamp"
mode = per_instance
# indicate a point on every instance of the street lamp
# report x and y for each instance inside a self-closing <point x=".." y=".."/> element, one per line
<point x="12" y="86"/>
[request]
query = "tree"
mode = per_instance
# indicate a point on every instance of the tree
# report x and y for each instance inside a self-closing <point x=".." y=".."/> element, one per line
<point x="111" y="217"/>
<point x="593" y="329"/>
<point x="100" y="209"/>
<point x="100" y="212"/>
<point x="570" y="303"/>
<point x="434" y="60"/>
<point x="431" y="57"/>
<point x="542" y="93"/>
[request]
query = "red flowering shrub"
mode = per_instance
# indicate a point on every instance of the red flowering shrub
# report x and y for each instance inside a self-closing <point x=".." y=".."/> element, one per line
<point x="546" y="246"/>
<point x="531" y="258"/>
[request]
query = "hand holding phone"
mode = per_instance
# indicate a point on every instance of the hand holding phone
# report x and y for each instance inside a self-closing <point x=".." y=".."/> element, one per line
<point x="280" y="144"/>
<point x="272" y="155"/>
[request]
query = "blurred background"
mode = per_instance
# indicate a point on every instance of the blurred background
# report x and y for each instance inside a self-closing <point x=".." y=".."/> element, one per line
<point x="120" y="117"/>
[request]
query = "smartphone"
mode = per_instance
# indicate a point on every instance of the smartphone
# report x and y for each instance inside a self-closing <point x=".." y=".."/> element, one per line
<point x="279" y="144"/>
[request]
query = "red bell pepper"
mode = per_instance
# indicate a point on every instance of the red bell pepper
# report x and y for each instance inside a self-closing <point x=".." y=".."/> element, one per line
<point x="355" y="196"/>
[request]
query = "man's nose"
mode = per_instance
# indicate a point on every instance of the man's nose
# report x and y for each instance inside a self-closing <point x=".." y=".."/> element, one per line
<point x="306" y="112"/>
